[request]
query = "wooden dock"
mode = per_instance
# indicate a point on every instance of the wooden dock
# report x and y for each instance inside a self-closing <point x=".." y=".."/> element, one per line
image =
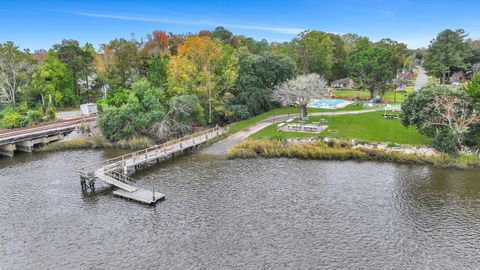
<point x="116" y="171"/>
<point x="140" y="195"/>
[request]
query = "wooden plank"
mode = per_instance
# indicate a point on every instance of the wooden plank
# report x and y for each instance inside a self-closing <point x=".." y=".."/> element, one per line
<point x="140" y="195"/>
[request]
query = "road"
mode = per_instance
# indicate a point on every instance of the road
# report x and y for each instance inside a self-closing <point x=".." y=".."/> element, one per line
<point x="220" y="148"/>
<point x="421" y="81"/>
<point x="65" y="115"/>
<point x="10" y="133"/>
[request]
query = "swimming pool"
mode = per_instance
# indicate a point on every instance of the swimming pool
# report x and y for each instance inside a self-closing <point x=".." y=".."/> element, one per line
<point x="329" y="103"/>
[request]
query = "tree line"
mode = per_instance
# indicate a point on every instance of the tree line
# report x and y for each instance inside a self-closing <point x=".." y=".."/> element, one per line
<point x="165" y="83"/>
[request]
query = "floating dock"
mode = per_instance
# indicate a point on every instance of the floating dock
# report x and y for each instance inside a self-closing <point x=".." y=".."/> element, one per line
<point x="140" y="195"/>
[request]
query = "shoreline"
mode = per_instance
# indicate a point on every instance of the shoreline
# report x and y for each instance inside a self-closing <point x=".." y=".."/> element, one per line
<point x="96" y="142"/>
<point x="335" y="149"/>
<point x="100" y="142"/>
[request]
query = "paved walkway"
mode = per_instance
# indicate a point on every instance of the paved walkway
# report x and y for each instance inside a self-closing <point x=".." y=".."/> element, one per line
<point x="220" y="148"/>
<point x="65" y="115"/>
<point x="421" y="81"/>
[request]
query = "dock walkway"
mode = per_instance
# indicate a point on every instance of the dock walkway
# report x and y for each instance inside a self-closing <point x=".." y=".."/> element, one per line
<point x="116" y="171"/>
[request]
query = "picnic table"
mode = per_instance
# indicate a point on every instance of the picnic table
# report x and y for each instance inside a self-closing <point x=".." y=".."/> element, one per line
<point x="390" y="116"/>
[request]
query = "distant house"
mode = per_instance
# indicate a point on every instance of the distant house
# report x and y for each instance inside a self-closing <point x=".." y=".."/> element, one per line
<point x="344" y="83"/>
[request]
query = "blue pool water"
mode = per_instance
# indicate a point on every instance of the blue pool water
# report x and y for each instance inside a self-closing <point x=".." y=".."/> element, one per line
<point x="328" y="103"/>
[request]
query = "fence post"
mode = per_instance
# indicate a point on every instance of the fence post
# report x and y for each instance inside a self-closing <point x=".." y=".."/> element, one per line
<point x="124" y="165"/>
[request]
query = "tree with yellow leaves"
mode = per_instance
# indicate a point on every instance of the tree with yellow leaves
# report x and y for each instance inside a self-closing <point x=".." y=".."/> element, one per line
<point x="204" y="67"/>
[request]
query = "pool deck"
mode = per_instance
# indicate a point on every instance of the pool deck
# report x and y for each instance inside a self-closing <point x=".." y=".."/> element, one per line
<point x="341" y="105"/>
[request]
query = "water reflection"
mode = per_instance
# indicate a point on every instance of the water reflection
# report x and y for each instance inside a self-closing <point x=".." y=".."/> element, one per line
<point x="245" y="214"/>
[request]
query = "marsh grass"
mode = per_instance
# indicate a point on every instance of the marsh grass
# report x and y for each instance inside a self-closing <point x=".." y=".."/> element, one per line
<point x="342" y="150"/>
<point x="99" y="142"/>
<point x="134" y="143"/>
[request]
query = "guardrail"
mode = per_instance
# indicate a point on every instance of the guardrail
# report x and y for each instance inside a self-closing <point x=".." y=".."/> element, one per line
<point x="16" y="135"/>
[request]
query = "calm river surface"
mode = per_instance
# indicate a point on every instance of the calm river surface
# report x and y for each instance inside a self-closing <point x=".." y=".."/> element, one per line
<point x="241" y="214"/>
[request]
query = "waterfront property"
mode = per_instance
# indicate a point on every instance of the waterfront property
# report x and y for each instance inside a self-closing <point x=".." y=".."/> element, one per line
<point x="369" y="126"/>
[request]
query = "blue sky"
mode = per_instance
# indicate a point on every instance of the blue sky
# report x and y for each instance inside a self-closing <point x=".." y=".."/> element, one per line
<point x="40" y="24"/>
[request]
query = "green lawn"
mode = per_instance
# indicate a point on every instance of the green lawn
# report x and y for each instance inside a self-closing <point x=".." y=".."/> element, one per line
<point x="365" y="94"/>
<point x="366" y="126"/>
<point x="236" y="126"/>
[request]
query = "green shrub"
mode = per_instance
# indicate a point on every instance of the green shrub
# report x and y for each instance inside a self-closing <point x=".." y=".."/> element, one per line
<point x="239" y="112"/>
<point x="34" y="116"/>
<point x="21" y="116"/>
<point x="13" y="120"/>
<point x="444" y="141"/>
<point x="50" y="113"/>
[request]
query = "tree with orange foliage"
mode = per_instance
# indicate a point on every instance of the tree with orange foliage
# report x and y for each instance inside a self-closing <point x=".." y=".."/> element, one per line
<point x="158" y="44"/>
<point x="207" y="68"/>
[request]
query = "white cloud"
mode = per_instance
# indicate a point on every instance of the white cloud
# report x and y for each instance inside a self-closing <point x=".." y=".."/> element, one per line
<point x="282" y="30"/>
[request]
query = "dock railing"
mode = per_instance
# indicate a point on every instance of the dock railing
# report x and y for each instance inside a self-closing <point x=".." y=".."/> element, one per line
<point x="114" y="164"/>
<point x="122" y="177"/>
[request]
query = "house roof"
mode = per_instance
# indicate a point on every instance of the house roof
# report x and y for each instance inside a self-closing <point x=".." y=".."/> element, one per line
<point x="341" y="81"/>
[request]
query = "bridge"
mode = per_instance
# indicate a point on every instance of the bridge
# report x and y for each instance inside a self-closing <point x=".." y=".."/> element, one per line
<point x="26" y="139"/>
<point x="116" y="171"/>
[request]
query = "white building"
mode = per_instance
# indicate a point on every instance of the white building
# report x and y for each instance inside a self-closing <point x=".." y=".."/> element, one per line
<point x="88" y="109"/>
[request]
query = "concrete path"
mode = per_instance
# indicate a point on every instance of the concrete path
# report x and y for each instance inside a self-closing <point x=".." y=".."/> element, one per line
<point x="421" y="81"/>
<point x="65" y="115"/>
<point x="220" y="148"/>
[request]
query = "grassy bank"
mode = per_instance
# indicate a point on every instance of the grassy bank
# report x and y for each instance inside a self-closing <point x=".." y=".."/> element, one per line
<point x="237" y="126"/>
<point x="98" y="142"/>
<point x="366" y="126"/>
<point x="343" y="150"/>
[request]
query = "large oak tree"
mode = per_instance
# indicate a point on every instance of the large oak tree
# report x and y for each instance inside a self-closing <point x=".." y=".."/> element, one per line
<point x="372" y="69"/>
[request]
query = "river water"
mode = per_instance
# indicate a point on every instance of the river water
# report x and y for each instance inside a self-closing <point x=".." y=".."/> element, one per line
<point x="240" y="214"/>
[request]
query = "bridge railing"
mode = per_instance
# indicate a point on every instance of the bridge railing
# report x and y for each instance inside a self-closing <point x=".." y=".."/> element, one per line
<point x="120" y="160"/>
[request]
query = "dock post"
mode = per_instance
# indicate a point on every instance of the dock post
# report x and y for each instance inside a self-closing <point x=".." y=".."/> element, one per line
<point x="153" y="189"/>
<point x="91" y="184"/>
<point x="83" y="183"/>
